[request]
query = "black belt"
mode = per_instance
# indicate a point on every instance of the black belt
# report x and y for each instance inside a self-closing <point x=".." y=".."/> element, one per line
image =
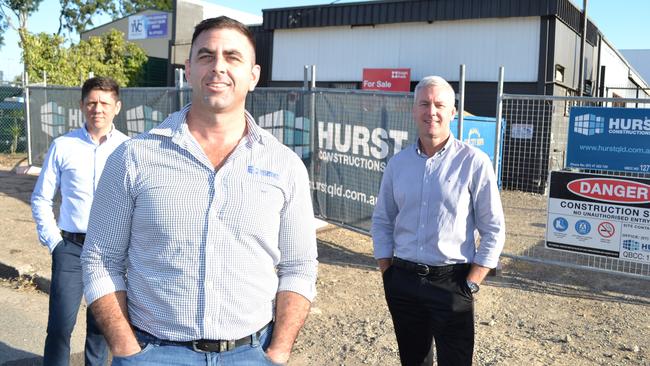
<point x="427" y="270"/>
<point x="78" y="238"/>
<point x="208" y="345"/>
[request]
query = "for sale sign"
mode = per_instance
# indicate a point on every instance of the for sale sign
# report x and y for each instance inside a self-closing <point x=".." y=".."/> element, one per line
<point x="398" y="80"/>
<point x="601" y="215"/>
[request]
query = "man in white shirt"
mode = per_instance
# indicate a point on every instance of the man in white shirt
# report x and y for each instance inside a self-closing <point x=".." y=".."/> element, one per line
<point x="73" y="165"/>
<point x="433" y="196"/>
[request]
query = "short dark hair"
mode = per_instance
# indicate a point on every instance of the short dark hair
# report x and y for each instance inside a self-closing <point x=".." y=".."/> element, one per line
<point x="223" y="22"/>
<point x="101" y="83"/>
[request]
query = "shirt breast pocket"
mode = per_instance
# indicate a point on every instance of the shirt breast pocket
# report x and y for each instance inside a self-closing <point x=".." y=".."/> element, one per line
<point x="256" y="202"/>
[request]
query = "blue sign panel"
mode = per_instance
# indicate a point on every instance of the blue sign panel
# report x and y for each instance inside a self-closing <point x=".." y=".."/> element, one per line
<point x="616" y="139"/>
<point x="480" y="132"/>
<point x="148" y="26"/>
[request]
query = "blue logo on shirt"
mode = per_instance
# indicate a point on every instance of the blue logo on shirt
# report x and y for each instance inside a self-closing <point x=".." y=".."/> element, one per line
<point x="265" y="173"/>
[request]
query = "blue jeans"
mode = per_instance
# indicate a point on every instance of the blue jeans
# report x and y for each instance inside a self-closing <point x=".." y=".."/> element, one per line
<point x="66" y="292"/>
<point x="154" y="353"/>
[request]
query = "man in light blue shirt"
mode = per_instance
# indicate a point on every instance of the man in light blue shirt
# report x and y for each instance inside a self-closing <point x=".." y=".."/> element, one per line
<point x="73" y="165"/>
<point x="212" y="223"/>
<point x="434" y="195"/>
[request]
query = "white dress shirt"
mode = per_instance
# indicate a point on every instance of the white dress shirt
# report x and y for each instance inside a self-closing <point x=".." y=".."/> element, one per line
<point x="429" y="207"/>
<point x="74" y="164"/>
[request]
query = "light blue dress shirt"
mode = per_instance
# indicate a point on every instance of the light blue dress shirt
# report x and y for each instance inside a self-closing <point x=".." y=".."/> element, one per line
<point x="205" y="250"/>
<point x="74" y="164"/>
<point x="429" y="207"/>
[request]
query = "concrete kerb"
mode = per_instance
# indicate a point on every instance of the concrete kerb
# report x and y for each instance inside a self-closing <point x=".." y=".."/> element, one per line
<point x="41" y="282"/>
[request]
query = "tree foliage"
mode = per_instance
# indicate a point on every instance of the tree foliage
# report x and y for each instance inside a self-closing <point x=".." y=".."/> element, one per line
<point x="21" y="9"/>
<point x="133" y="6"/>
<point x="108" y="55"/>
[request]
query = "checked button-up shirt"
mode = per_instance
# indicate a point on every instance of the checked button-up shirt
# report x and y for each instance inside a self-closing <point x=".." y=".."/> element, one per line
<point x="205" y="250"/>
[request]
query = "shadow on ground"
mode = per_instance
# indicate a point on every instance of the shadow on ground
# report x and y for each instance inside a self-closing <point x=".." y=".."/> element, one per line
<point x="17" y="186"/>
<point x="572" y="282"/>
<point x="332" y="253"/>
<point x="18" y="357"/>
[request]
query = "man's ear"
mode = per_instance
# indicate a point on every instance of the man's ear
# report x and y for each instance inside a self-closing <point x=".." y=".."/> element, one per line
<point x="187" y="69"/>
<point x="255" y="71"/>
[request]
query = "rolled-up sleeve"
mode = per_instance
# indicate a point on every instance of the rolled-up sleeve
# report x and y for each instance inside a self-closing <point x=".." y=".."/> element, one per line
<point x="383" y="218"/>
<point x="298" y="266"/>
<point x="105" y="250"/>
<point x="489" y="217"/>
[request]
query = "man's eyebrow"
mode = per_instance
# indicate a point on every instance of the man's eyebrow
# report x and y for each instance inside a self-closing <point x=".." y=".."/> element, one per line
<point x="233" y="52"/>
<point x="203" y="50"/>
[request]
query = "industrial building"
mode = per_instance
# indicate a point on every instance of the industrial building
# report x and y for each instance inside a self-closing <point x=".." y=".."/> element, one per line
<point x="537" y="42"/>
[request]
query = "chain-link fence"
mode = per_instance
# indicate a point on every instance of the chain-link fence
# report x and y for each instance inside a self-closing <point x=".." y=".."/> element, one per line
<point x="346" y="137"/>
<point x="13" y="137"/>
<point x="535" y="143"/>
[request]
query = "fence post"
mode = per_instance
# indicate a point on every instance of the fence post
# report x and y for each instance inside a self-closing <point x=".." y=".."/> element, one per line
<point x="28" y="124"/>
<point x="497" y="144"/>
<point x="305" y="78"/>
<point x="461" y="101"/>
<point x="312" y="120"/>
<point x="312" y="101"/>
<point x="179" y="87"/>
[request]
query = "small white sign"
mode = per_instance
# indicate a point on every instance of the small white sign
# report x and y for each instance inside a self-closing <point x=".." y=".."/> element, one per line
<point x="137" y="27"/>
<point x="522" y="131"/>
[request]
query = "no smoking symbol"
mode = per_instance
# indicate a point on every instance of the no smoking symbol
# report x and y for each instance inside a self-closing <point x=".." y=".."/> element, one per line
<point x="606" y="229"/>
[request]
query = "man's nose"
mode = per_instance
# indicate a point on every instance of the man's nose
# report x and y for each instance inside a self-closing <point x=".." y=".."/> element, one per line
<point x="219" y="65"/>
<point x="432" y="109"/>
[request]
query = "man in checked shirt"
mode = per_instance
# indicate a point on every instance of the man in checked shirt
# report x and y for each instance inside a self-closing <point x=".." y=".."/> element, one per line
<point x="211" y="218"/>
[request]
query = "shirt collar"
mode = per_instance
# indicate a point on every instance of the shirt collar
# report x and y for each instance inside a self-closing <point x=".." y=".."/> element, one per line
<point x="86" y="134"/>
<point x="440" y="152"/>
<point x="175" y="126"/>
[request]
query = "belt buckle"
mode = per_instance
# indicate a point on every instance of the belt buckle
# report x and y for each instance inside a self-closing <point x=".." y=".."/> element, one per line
<point x="421" y="269"/>
<point x="212" y="346"/>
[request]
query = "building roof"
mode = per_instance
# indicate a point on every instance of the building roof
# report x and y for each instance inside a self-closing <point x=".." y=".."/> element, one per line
<point x="402" y="11"/>
<point x="640" y="61"/>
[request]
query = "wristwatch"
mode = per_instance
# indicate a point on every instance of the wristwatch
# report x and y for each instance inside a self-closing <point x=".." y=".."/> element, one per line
<point x="473" y="286"/>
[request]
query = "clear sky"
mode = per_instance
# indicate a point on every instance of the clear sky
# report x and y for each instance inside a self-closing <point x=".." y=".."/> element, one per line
<point x="622" y="22"/>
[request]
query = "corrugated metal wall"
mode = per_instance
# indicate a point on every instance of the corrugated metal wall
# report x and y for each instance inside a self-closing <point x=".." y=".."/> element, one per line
<point x="341" y="53"/>
<point x="616" y="73"/>
<point x="387" y="12"/>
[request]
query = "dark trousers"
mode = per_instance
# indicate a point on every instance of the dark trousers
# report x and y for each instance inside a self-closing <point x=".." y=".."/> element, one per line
<point x="66" y="292"/>
<point x="426" y="308"/>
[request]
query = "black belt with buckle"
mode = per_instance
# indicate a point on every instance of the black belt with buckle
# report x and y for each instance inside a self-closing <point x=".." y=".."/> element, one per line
<point x="208" y="345"/>
<point x="427" y="270"/>
<point x="77" y="238"/>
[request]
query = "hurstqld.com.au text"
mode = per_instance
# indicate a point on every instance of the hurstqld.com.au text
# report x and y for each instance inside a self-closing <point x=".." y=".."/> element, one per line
<point x="337" y="190"/>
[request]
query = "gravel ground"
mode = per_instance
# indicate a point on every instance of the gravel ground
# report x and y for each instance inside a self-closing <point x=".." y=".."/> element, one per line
<point x="529" y="313"/>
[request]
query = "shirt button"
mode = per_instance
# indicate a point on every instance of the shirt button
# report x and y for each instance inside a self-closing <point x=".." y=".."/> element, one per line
<point x="209" y="284"/>
<point x="208" y="319"/>
<point x="424" y="203"/>
<point x="422" y="225"/>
